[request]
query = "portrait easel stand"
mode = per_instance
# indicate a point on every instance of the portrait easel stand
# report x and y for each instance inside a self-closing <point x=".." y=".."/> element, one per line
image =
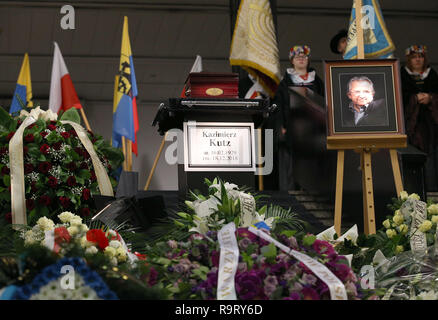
<point x="365" y="145"/>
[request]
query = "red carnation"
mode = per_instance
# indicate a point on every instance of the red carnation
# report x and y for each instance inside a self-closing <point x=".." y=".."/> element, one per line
<point x="71" y="181"/>
<point x="8" y="217"/>
<point x="65" y="135"/>
<point x="31" y="126"/>
<point x="3" y="150"/>
<point x="65" y="202"/>
<point x="93" y="176"/>
<point x="85" y="212"/>
<point x="51" y="127"/>
<point x="45" y="149"/>
<point x="43" y="134"/>
<point x="53" y="182"/>
<point x="10" y="135"/>
<point x="84" y="165"/>
<point x="5" y="170"/>
<point x="57" y="145"/>
<point x="28" y="168"/>
<point x="99" y="237"/>
<point x="45" y="200"/>
<point x="29" y="138"/>
<point x="44" y="167"/>
<point x="30" y="204"/>
<point x="25" y="150"/>
<point x="86" y="194"/>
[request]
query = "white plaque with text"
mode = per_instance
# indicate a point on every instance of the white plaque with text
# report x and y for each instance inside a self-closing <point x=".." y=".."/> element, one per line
<point x="219" y="146"/>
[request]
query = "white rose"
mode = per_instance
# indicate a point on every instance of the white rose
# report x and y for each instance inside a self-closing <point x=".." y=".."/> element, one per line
<point x="66" y="216"/>
<point x="435" y="219"/>
<point x="45" y="224"/>
<point x="76" y="221"/>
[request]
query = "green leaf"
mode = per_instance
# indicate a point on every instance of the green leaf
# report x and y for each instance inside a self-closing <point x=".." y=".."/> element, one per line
<point x="71" y="115"/>
<point x="269" y="251"/>
<point x="7" y="180"/>
<point x="289" y="233"/>
<point x="309" y="240"/>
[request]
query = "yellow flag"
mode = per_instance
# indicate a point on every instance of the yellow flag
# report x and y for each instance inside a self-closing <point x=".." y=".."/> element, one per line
<point x="254" y="44"/>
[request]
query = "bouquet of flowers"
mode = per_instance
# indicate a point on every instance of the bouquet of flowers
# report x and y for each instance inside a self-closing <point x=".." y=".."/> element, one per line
<point x="58" y="171"/>
<point x="61" y="237"/>
<point x="226" y="203"/>
<point x="397" y="231"/>
<point x="189" y="269"/>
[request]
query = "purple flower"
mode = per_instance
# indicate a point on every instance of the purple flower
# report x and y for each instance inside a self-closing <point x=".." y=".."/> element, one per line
<point x="269" y="289"/>
<point x="153" y="277"/>
<point x="249" y="284"/>
<point x="215" y="258"/>
<point x="271" y="280"/>
<point x="310" y="294"/>
<point x="293" y="296"/>
<point x="342" y="271"/>
<point x="244" y="243"/>
<point x="323" y="247"/>
<point x="244" y="233"/>
<point x="309" y="279"/>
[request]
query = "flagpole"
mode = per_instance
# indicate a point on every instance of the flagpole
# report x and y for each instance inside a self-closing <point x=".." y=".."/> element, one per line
<point x="84" y="117"/>
<point x="129" y="151"/>
<point x="359" y="30"/>
<point x="125" y="167"/>
<point x="157" y="157"/>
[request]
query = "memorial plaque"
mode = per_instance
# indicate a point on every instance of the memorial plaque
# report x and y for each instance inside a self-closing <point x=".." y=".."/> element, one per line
<point x="219" y="146"/>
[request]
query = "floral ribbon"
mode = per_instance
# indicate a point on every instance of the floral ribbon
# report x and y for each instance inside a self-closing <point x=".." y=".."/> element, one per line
<point x="18" y="200"/>
<point x="228" y="261"/>
<point x="103" y="180"/>
<point x="418" y="211"/>
<point x="336" y="287"/>
<point x="16" y="163"/>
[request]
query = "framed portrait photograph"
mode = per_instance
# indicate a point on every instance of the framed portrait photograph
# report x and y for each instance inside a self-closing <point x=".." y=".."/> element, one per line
<point x="363" y="97"/>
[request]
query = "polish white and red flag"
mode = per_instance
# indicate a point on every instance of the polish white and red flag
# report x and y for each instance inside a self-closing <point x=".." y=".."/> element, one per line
<point x="63" y="95"/>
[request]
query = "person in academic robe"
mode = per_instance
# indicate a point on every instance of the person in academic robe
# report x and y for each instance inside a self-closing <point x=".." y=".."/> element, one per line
<point x="420" y="100"/>
<point x="338" y="44"/>
<point x="300" y="74"/>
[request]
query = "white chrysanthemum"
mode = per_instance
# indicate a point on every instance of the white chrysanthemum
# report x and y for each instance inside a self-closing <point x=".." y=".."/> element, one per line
<point x="121" y="255"/>
<point x="115" y="244"/>
<point x="428" y="295"/>
<point x="45" y="224"/>
<point x="432" y="209"/>
<point x="85" y="243"/>
<point x="404" y="195"/>
<point x="113" y="261"/>
<point x="85" y="293"/>
<point x="76" y="221"/>
<point x="66" y="216"/>
<point x="414" y="196"/>
<point x="73" y="230"/>
<point x="91" y="250"/>
<point x="110" y="252"/>
<point x="435" y="219"/>
<point x="425" y="226"/>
